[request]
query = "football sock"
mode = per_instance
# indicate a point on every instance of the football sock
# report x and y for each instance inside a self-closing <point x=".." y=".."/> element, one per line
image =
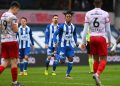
<point x="47" y="64"/>
<point x="95" y="66"/>
<point x="91" y="64"/>
<point x="21" y="64"/>
<point x="101" y="66"/>
<point x="69" y="64"/>
<point x="14" y="73"/>
<point x="55" y="64"/>
<point x="25" y="64"/>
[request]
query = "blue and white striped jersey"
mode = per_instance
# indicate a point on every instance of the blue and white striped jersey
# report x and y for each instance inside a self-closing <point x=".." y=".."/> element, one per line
<point x="24" y="36"/>
<point x="67" y="35"/>
<point x="50" y="30"/>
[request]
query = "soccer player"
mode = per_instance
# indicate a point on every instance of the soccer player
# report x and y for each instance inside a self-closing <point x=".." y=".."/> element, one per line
<point x="9" y="44"/>
<point x="49" y="44"/>
<point x="67" y="41"/>
<point x="25" y="44"/>
<point x="90" y="59"/>
<point x="98" y="22"/>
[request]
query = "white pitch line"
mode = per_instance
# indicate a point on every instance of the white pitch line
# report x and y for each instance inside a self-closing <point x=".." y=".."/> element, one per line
<point x="63" y="83"/>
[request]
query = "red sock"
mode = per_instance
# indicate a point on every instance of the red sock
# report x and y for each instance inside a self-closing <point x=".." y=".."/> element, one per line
<point x="101" y="67"/>
<point x="2" y="68"/>
<point x="95" y="66"/>
<point x="14" y="73"/>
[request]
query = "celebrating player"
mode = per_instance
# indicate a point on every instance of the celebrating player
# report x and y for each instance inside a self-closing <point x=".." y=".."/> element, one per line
<point x="67" y="41"/>
<point x="49" y="44"/>
<point x="98" y="22"/>
<point x="9" y="44"/>
<point x="25" y="42"/>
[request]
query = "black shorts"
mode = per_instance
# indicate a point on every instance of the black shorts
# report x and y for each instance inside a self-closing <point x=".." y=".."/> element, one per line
<point x="88" y="47"/>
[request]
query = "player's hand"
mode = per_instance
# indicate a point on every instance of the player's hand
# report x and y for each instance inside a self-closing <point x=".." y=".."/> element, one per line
<point x="108" y="44"/>
<point x="83" y="47"/>
<point x="46" y="45"/>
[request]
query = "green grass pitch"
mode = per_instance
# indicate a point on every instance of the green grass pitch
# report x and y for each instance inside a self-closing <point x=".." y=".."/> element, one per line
<point x="81" y="77"/>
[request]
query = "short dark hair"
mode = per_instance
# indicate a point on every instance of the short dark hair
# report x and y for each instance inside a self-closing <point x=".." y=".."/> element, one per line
<point x="97" y="2"/>
<point x="24" y="18"/>
<point x="15" y="4"/>
<point x="55" y="15"/>
<point x="68" y="12"/>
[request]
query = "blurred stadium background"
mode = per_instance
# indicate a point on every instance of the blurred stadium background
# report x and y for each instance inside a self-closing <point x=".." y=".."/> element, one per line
<point x="39" y="14"/>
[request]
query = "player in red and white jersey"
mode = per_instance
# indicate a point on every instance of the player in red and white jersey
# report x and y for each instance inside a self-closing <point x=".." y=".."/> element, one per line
<point x="98" y="22"/>
<point x="9" y="44"/>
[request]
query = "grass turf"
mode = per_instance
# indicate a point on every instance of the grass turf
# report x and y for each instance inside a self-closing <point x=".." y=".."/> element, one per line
<point x="81" y="77"/>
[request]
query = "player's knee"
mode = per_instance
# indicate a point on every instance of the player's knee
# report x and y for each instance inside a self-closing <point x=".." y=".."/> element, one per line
<point x="70" y="59"/>
<point x="14" y="63"/>
<point x="26" y="58"/>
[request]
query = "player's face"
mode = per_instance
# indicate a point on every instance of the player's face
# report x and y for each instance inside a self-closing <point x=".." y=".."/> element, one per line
<point x="15" y="10"/>
<point x="23" y="22"/>
<point x="68" y="17"/>
<point x="55" y="19"/>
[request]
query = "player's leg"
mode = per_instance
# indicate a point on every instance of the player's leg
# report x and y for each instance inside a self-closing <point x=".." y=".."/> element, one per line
<point x="55" y="63"/>
<point x="26" y="56"/>
<point x="4" y="55"/>
<point x="96" y="63"/>
<point x="90" y="63"/>
<point x="13" y="46"/>
<point x="90" y="59"/>
<point x="49" y="53"/>
<point x="103" y="55"/>
<point x="21" y="61"/>
<point x="70" y="55"/>
<point x="62" y="54"/>
<point x="14" y="72"/>
<point x="94" y="51"/>
<point x="56" y="60"/>
<point x="4" y="64"/>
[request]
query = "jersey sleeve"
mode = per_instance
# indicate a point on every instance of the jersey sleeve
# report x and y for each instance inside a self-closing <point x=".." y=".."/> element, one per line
<point x="86" y="18"/>
<point x="14" y="20"/>
<point x="31" y="37"/>
<point x="75" y="35"/>
<point x="58" y="31"/>
<point x="107" y="19"/>
<point x="47" y="35"/>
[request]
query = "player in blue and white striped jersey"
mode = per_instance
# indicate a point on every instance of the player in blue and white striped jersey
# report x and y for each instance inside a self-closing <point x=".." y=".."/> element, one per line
<point x="25" y="43"/>
<point x="51" y="28"/>
<point x="67" y="41"/>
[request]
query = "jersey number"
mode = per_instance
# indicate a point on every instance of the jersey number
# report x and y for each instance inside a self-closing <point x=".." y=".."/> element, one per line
<point x="96" y="23"/>
<point x="5" y="24"/>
